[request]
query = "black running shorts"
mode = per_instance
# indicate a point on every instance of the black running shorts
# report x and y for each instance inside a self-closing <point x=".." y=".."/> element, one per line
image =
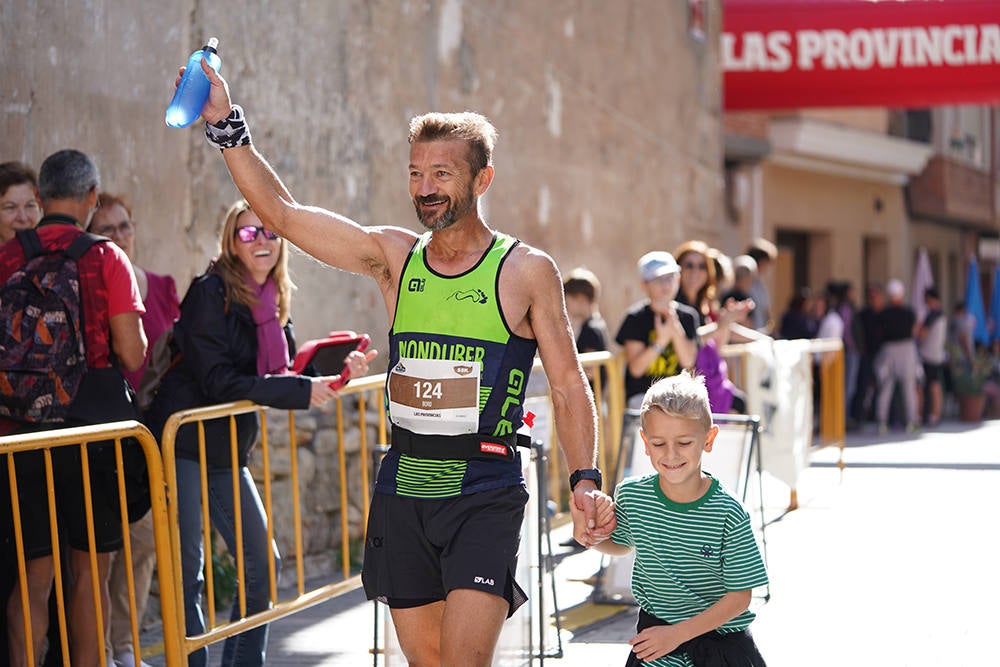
<point x="418" y="550"/>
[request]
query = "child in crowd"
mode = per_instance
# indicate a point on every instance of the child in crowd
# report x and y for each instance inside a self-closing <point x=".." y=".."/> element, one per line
<point x="696" y="558"/>
<point x="659" y="334"/>
<point x="582" y="293"/>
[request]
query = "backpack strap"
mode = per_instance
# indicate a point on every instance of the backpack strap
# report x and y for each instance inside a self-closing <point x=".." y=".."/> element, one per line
<point x="81" y="244"/>
<point x="30" y="243"/>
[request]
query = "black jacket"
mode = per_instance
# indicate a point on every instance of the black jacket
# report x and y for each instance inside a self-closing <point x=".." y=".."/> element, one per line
<point x="217" y="342"/>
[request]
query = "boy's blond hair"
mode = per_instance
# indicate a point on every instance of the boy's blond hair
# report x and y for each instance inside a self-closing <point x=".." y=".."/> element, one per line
<point x="683" y="396"/>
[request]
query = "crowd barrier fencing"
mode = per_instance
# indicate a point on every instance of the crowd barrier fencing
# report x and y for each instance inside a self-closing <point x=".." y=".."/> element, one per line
<point x="829" y="353"/>
<point x="305" y="595"/>
<point x="121" y="434"/>
<point x="369" y="389"/>
<point x="604" y="369"/>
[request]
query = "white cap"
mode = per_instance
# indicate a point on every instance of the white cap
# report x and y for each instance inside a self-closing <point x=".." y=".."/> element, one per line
<point x="657" y="263"/>
<point x="895" y="289"/>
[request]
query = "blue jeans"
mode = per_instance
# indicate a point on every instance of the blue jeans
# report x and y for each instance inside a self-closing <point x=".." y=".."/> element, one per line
<point x="247" y="648"/>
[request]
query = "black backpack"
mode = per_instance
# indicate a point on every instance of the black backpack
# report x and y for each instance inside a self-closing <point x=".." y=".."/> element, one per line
<point x="42" y="353"/>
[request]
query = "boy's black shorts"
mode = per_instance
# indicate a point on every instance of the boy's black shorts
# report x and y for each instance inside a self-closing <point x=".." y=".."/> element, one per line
<point x="70" y="507"/>
<point x="418" y="550"/>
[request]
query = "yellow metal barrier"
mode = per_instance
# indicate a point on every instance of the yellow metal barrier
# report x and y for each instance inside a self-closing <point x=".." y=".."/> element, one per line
<point x="46" y="442"/>
<point x="609" y="394"/>
<point x="304" y="598"/>
<point x="832" y="409"/>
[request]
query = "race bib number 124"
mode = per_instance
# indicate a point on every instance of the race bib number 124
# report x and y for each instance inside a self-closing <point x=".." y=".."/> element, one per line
<point x="435" y="396"/>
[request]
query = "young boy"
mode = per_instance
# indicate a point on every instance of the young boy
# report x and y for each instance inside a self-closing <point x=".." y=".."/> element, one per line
<point x="582" y="291"/>
<point x="696" y="559"/>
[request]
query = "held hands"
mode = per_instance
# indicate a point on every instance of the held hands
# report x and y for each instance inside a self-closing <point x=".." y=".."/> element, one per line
<point x="593" y="514"/>
<point x="605" y="506"/>
<point x="656" y="642"/>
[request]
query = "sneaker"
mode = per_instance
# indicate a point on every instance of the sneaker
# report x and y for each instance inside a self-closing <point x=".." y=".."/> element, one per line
<point x="883" y="428"/>
<point x="913" y="427"/>
<point x="127" y="659"/>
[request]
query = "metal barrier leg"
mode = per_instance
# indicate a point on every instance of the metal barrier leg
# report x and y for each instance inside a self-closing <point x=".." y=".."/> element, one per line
<point x="377" y="453"/>
<point x="760" y="490"/>
<point x="545" y="560"/>
<point x="375" y="649"/>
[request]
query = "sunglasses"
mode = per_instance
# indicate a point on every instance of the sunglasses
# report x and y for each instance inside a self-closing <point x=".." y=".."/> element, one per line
<point x="249" y="233"/>
<point x="692" y="266"/>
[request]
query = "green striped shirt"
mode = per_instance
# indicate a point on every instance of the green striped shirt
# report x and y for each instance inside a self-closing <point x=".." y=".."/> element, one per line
<point x="687" y="555"/>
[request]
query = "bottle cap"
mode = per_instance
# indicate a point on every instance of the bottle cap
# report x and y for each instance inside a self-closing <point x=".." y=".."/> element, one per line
<point x="213" y="44"/>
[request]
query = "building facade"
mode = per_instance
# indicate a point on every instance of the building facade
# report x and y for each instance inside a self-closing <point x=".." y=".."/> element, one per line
<point x="855" y="194"/>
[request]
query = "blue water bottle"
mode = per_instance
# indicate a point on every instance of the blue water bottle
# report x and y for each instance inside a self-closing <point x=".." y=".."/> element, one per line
<point x="192" y="91"/>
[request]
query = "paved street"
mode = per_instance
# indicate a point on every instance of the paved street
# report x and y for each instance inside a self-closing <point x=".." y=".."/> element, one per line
<point x="890" y="562"/>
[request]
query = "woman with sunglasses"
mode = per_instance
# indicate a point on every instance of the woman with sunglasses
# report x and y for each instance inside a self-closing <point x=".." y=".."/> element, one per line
<point x="233" y="341"/>
<point x="698" y="289"/>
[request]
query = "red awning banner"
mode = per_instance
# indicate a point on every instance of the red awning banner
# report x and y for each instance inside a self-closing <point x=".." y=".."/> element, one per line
<point x="780" y="54"/>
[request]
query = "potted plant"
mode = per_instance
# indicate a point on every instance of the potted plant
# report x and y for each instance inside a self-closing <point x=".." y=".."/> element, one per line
<point x="968" y="380"/>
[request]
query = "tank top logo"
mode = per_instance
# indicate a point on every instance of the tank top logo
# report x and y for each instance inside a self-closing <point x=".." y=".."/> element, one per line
<point x="473" y="295"/>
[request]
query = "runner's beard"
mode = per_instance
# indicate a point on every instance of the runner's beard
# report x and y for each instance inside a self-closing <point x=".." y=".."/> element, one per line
<point x="452" y="214"/>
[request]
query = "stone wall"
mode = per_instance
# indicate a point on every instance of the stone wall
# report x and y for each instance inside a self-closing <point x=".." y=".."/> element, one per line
<point x="609" y="119"/>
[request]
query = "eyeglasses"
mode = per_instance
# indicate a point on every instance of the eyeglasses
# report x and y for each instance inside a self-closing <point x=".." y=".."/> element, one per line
<point x="10" y="209"/>
<point x="665" y="278"/>
<point x="249" y="233"/>
<point x="691" y="266"/>
<point x="123" y="228"/>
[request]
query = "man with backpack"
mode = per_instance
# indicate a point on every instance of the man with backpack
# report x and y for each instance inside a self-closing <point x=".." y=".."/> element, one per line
<point x="83" y="319"/>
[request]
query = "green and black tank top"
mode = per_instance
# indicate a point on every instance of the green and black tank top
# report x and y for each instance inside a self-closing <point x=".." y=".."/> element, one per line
<point x="457" y="319"/>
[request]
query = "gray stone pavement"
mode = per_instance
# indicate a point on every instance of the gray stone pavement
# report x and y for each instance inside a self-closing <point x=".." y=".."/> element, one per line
<point x="892" y="561"/>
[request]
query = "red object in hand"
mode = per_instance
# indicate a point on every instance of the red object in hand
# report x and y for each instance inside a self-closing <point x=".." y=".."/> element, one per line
<point x="345" y="375"/>
<point x="328" y="355"/>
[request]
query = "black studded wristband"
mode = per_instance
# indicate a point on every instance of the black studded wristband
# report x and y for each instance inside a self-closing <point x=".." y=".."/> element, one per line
<point x="230" y="132"/>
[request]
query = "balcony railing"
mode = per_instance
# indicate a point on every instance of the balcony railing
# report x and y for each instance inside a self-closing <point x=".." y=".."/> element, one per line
<point x="951" y="191"/>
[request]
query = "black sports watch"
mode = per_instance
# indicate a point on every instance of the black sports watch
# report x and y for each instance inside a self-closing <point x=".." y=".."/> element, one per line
<point x="592" y="474"/>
